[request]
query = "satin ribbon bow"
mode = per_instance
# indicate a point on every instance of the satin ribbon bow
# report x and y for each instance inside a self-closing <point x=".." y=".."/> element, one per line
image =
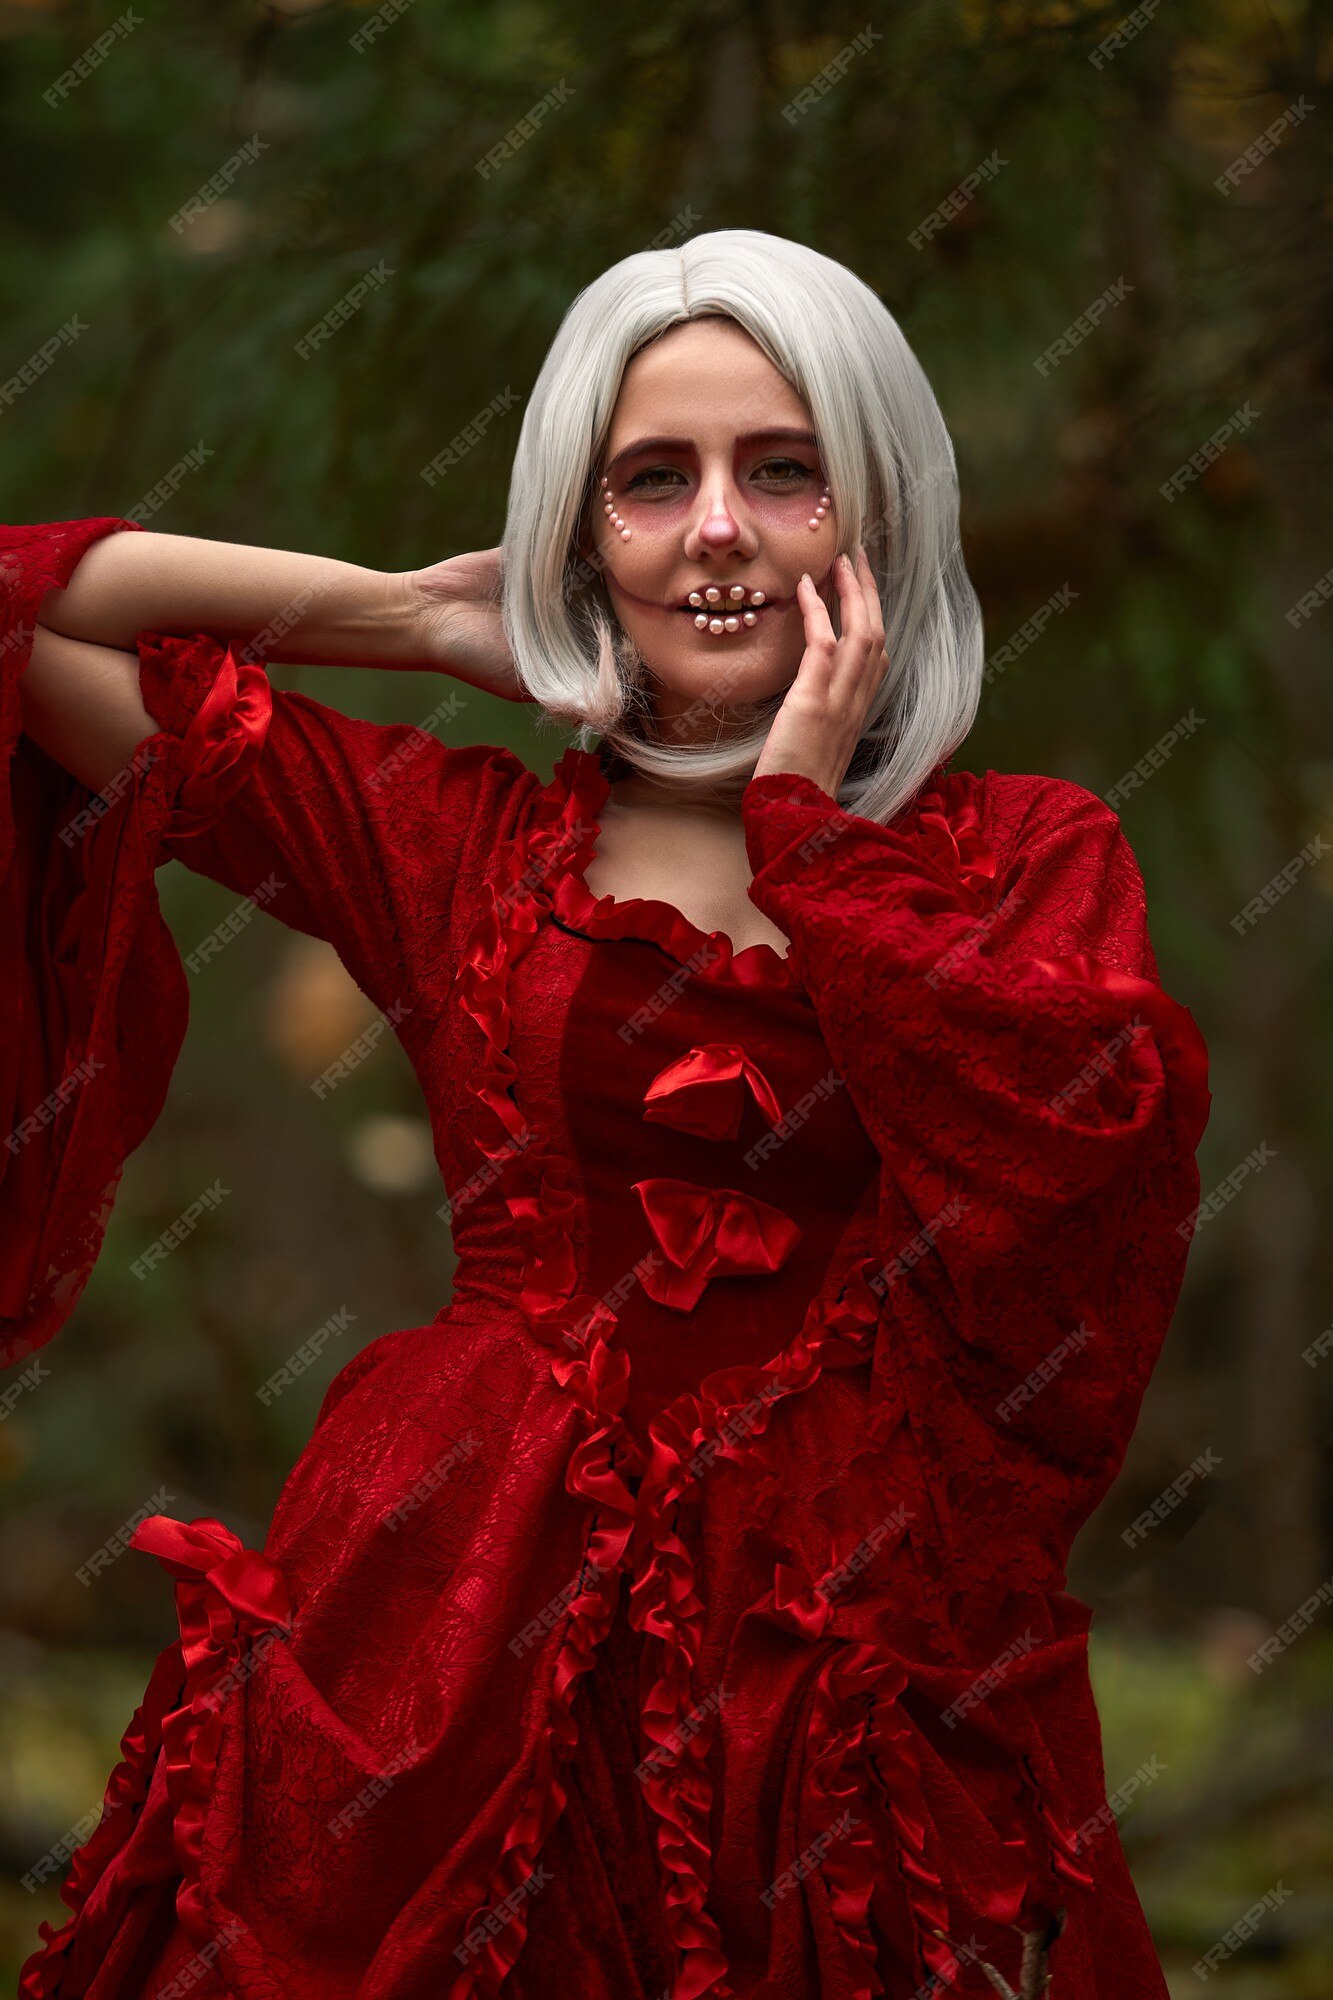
<point x="704" y="1092"/>
<point x="225" y="1593"/>
<point x="223" y="739"/>
<point x="710" y="1233"/>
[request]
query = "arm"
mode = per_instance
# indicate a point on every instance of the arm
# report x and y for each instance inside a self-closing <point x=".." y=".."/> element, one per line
<point x="80" y="694"/>
<point x="1035" y="1095"/>
<point x="303" y="609"/>
<point x="354" y="832"/>
<point x="1037" y="1100"/>
<point x="1027" y="1011"/>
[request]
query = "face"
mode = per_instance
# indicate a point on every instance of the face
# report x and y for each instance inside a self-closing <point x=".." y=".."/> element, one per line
<point x="715" y="472"/>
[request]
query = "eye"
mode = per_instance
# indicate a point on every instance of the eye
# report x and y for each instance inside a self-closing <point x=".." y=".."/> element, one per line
<point x="648" y="480"/>
<point x="790" y="469"/>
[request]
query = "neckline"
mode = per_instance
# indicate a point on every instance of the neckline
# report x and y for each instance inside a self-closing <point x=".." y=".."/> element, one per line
<point x="650" y="919"/>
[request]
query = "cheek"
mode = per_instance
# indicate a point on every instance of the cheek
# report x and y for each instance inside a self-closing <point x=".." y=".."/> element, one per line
<point x="646" y="546"/>
<point x="655" y="524"/>
<point x="786" y="513"/>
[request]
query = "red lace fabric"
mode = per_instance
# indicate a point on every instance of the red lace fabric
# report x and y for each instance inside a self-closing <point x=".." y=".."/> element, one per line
<point x="682" y="1610"/>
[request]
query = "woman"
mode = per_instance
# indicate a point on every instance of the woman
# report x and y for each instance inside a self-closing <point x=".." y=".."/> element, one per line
<point x="681" y="1612"/>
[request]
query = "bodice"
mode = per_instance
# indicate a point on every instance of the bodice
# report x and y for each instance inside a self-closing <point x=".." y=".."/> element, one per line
<point x="717" y="1158"/>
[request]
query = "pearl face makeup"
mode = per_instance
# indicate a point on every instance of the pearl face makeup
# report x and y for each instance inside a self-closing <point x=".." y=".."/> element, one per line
<point x="734" y="598"/>
<point x="709" y="502"/>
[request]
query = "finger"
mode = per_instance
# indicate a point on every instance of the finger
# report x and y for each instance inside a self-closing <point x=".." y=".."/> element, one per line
<point x="820" y="638"/>
<point x="855" y="621"/>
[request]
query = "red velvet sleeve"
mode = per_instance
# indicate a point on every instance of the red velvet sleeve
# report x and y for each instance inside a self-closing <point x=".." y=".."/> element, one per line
<point x="344" y="829"/>
<point x="1036" y="1098"/>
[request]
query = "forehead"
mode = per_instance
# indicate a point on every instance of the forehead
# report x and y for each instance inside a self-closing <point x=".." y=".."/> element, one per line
<point x="704" y="378"/>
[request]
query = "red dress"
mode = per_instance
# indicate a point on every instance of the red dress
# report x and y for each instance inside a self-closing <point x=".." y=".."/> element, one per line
<point x="682" y="1610"/>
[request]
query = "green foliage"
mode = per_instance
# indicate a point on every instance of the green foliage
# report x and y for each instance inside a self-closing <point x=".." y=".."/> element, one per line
<point x="685" y="118"/>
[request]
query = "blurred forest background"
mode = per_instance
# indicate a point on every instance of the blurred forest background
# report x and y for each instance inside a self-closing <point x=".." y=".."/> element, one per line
<point x="1145" y="519"/>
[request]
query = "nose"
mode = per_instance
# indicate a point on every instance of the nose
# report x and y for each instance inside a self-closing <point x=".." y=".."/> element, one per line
<point x="717" y="525"/>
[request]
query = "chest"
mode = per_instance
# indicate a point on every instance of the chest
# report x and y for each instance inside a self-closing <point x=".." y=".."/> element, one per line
<point x="705" y="873"/>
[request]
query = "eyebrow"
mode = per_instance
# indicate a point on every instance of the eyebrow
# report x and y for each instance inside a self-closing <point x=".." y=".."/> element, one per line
<point x="783" y="433"/>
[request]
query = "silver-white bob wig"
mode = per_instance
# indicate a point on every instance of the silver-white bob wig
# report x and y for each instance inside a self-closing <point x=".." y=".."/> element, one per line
<point x="888" y="462"/>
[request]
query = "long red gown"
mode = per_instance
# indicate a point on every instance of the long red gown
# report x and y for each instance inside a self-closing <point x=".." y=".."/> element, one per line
<point x="682" y="1610"/>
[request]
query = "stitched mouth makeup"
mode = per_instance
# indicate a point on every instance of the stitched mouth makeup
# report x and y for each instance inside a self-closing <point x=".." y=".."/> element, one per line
<point x="725" y="607"/>
<point x="717" y="608"/>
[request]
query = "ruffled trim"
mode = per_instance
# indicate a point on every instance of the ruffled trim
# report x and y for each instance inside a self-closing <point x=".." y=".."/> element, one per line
<point x="857" y="1734"/>
<point x="126" y="1791"/>
<point x="628" y="1530"/>
<point x="535" y="1182"/>
<point x="226" y="1596"/>
<point x="720" y="1421"/>
<point x="860" y="1733"/>
<point x="711" y="953"/>
<point x="839" y="1724"/>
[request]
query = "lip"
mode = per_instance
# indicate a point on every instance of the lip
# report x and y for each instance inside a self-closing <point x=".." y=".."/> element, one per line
<point x="719" y="598"/>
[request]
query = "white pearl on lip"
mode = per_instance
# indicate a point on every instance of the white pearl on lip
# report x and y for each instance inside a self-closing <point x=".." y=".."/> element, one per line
<point x="701" y="621"/>
<point x="750" y="617"/>
<point x="716" y="625"/>
<point x="736" y="593"/>
<point x="713" y="595"/>
<point x="695" y="597"/>
<point x="757" y="597"/>
<point x="732" y="624"/>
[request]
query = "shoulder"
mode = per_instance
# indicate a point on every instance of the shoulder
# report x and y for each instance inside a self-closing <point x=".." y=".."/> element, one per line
<point x="1016" y="810"/>
<point x="1065" y="874"/>
<point x="427" y="795"/>
<point x="399" y="756"/>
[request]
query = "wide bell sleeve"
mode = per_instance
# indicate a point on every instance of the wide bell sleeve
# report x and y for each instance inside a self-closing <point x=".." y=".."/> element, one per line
<point x="347" y="830"/>
<point x="1036" y="1099"/>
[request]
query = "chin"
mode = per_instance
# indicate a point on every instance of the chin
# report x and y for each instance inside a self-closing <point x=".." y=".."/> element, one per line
<point x="737" y="668"/>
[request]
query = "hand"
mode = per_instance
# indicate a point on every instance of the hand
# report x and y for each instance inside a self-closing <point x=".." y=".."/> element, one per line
<point x="819" y="725"/>
<point x="454" y="610"/>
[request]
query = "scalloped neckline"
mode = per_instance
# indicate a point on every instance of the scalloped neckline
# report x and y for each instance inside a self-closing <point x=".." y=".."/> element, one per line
<point x="649" y="919"/>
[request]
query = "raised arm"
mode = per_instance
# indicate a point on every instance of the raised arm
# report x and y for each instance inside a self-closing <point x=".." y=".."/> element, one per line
<point x="119" y="757"/>
<point x="306" y="609"/>
<point x="80" y="697"/>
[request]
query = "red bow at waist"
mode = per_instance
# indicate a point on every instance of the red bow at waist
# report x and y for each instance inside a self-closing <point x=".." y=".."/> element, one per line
<point x="704" y="1092"/>
<point x="710" y="1233"/>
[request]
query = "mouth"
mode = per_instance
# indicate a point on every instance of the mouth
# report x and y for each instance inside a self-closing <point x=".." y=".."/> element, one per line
<point x="725" y="607"/>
